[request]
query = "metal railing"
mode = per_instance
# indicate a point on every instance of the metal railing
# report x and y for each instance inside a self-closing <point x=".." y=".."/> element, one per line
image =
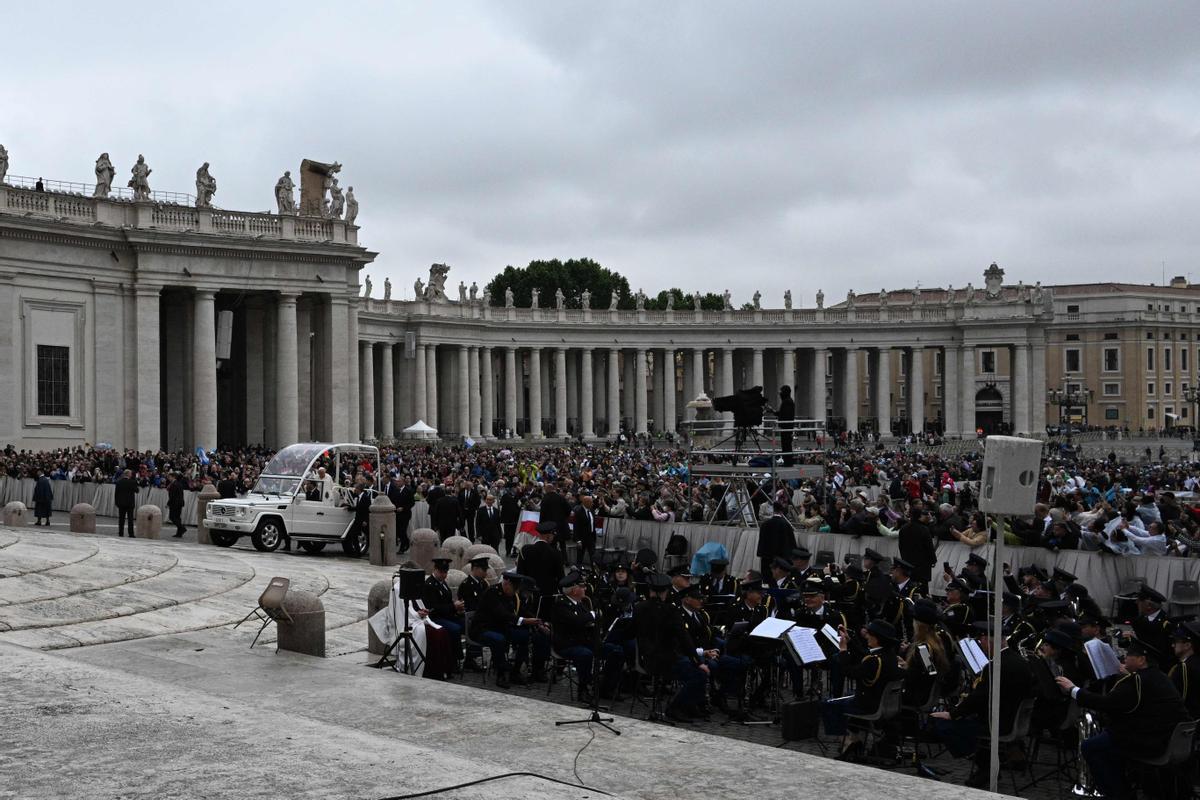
<point x="89" y="190"/>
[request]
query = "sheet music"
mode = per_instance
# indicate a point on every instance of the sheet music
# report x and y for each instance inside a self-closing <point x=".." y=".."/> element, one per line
<point x="804" y="642"/>
<point x="830" y="633"/>
<point x="1104" y="659"/>
<point x="772" y="628"/>
<point x="973" y="655"/>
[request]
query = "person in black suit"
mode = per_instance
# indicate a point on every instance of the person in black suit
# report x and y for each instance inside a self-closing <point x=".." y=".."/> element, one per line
<point x="403" y="498"/>
<point x="666" y="649"/>
<point x="498" y="623"/>
<point x="469" y="593"/>
<point x="585" y="527"/>
<point x="1142" y="709"/>
<point x="125" y="496"/>
<point x="446" y="516"/>
<point x="1152" y="625"/>
<point x="1185" y="672"/>
<point x="470" y="501"/>
<point x="543" y="563"/>
<point x="965" y="724"/>
<point x="359" y="502"/>
<point x="227" y="486"/>
<point x="787" y="418"/>
<point x="916" y="545"/>
<point x="872" y="672"/>
<point x="776" y="539"/>
<point x="728" y="672"/>
<point x="442" y="607"/>
<point x="718" y="581"/>
<point x="555" y="509"/>
<point x="487" y="522"/>
<point x="510" y="515"/>
<point x="175" y="504"/>
<point x="573" y="623"/>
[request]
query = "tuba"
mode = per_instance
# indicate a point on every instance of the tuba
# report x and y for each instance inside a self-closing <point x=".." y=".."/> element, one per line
<point x="1085" y="786"/>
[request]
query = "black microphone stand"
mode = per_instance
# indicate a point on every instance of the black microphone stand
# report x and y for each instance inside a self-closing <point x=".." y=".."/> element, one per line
<point x="597" y="667"/>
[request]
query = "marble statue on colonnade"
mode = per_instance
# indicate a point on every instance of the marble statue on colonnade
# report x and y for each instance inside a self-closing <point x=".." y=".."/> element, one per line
<point x="950" y="295"/>
<point x="419" y="289"/>
<point x="560" y="299"/>
<point x="820" y="298"/>
<point x="206" y="187"/>
<point x="585" y="299"/>
<point x="612" y="300"/>
<point x="533" y="297"/>
<point x="3" y="163"/>
<point x="728" y="298"/>
<point x="850" y="297"/>
<point x="367" y="287"/>
<point x="351" y="206"/>
<point x="474" y="291"/>
<point x="436" y="290"/>
<point x="757" y="299"/>
<point x="337" y="201"/>
<point x="105" y="172"/>
<point x="883" y="298"/>
<point x="487" y="296"/>
<point x="387" y="290"/>
<point x="916" y="295"/>
<point x="508" y="297"/>
<point x="670" y="301"/>
<point x="696" y="300"/>
<point x="787" y="299"/>
<point x="462" y="291"/>
<point x="285" y="198"/>
<point x="140" y="182"/>
<point x="640" y="300"/>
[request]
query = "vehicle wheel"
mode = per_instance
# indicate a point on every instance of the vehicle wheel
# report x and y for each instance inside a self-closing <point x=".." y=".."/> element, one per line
<point x="312" y="547"/>
<point x="268" y="535"/>
<point x="222" y="539"/>
<point x="355" y="544"/>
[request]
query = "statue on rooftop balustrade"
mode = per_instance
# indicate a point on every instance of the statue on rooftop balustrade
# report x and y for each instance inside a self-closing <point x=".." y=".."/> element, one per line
<point x="3" y="163"/>
<point x="612" y="300"/>
<point x="368" y="287"/>
<point x="560" y="299"/>
<point x="670" y="301"/>
<point x="337" y="201"/>
<point x="696" y="301"/>
<point x="419" y="289"/>
<point x="473" y="292"/>
<point x="285" y="200"/>
<point x="206" y="187"/>
<point x="351" y="206"/>
<point x="639" y="300"/>
<point x="585" y="299"/>
<point x="140" y="182"/>
<point x="105" y="172"/>
<point x="787" y="299"/>
<point x="462" y="292"/>
<point x="534" y="293"/>
<point x="387" y="290"/>
<point x="757" y="300"/>
<point x="883" y="298"/>
<point x="850" y="296"/>
<point x="727" y="297"/>
<point x="436" y="290"/>
<point x="820" y="298"/>
<point x="509" y="301"/>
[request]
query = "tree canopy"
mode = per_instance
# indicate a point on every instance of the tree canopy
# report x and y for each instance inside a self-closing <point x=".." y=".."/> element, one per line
<point x="573" y="277"/>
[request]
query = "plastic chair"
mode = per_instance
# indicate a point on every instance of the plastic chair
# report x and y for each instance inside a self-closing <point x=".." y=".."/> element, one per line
<point x="889" y="709"/>
<point x="1185" y="597"/>
<point x="1126" y="593"/>
<point x="485" y="656"/>
<point x="824" y="558"/>
<point x="1020" y="733"/>
<point x="620" y="544"/>
<point x="1176" y="759"/>
<point x="556" y="660"/>
<point x="657" y="689"/>
<point x="270" y="606"/>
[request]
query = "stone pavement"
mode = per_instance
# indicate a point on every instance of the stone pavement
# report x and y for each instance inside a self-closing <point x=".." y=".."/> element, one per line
<point x="123" y="676"/>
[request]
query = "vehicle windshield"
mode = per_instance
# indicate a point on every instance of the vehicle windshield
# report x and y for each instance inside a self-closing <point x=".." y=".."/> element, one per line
<point x="292" y="461"/>
<point x="270" y="484"/>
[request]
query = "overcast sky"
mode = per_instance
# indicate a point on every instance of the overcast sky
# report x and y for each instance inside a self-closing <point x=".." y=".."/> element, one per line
<point x="703" y="145"/>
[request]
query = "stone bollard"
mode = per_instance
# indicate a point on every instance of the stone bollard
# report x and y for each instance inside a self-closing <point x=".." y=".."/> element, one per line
<point x="377" y="599"/>
<point x="478" y="550"/>
<point x="147" y="523"/>
<point x="424" y="544"/>
<point x="456" y="548"/>
<point x="207" y="494"/>
<point x="381" y="543"/>
<point x="496" y="568"/>
<point x="16" y="515"/>
<point x="83" y="518"/>
<point x="306" y="632"/>
<point x="454" y="579"/>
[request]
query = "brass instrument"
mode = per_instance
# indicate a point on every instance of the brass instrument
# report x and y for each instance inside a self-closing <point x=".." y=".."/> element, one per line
<point x="1088" y="726"/>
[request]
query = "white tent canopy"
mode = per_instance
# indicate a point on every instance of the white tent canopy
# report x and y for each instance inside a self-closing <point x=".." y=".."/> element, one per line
<point x="419" y="430"/>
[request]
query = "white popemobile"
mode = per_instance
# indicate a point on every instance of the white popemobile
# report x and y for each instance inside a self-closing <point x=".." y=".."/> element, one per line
<point x="299" y="495"/>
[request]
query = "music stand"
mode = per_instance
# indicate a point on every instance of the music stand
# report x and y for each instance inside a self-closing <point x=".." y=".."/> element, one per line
<point x="410" y="583"/>
<point x="270" y="607"/>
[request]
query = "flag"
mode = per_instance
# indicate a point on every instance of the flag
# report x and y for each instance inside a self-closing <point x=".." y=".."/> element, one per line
<point x="202" y="455"/>
<point x="469" y="442"/>
<point x="529" y="522"/>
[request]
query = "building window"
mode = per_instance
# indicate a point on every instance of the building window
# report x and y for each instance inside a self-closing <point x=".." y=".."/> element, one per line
<point x="1072" y="337"/>
<point x="1167" y="359"/>
<point x="1149" y="306"/>
<point x="53" y="381"/>
<point x="1150" y="359"/>
<point x="1073" y="360"/>
<point x="1110" y="336"/>
<point x="1112" y="359"/>
<point x="1150" y="413"/>
<point x="1150" y="389"/>
<point x="1112" y="389"/>
<point x="1072" y="309"/>
<point x="1183" y="359"/>
<point x="1167" y="390"/>
<point x="939" y="362"/>
<point x="1112" y="413"/>
<point x="1149" y="334"/>
<point x="987" y="361"/>
<point x="1183" y="412"/>
<point x="937" y="390"/>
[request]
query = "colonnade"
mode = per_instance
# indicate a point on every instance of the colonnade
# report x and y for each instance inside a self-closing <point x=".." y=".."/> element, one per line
<point x="547" y="391"/>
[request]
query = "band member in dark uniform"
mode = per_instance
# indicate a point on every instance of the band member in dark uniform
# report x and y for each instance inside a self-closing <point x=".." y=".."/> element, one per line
<point x="469" y="593"/>
<point x="498" y="624"/>
<point x="442" y="607"/>
<point x="1152" y="626"/>
<point x="1142" y="710"/>
<point x="872" y="672"/>
<point x="1185" y="672"/>
<point x="727" y="671"/>
<point x="718" y="581"/>
<point x="573" y="623"/>
<point x="957" y="616"/>
<point x="816" y="614"/>
<point x="666" y="648"/>
<point x="543" y="563"/>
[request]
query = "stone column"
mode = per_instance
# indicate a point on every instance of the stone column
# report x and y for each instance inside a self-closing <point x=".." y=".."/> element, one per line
<point x="474" y="401"/>
<point x="560" y="392"/>
<point x="628" y="411"/>
<point x="1018" y="389"/>
<point x="817" y="389"/>
<point x="535" y="393"/>
<point x="387" y="393"/>
<point x="599" y="392"/>
<point x="462" y="402"/>
<point x="346" y="348"/>
<point x="614" y="393"/>
<point x="366" y="382"/>
<point x="149" y="369"/>
<point x="787" y="375"/>
<point x="420" y="397"/>
<point x="697" y="373"/>
<point x="668" y="366"/>
<point x="254" y="325"/>
<point x="916" y="390"/>
<point x="756" y="368"/>
<point x="204" y="375"/>
<point x="883" y="392"/>
<point x="488" y="410"/>
<point x="573" y="383"/>
<point x="510" y="389"/>
<point x="1037" y="389"/>
<point x="726" y="382"/>
<point x="950" y="389"/>
<point x="287" y="392"/>
<point x="850" y="392"/>
<point x="586" y="416"/>
<point x="639" y="391"/>
<point x="431" y="387"/>
<point x="967" y="379"/>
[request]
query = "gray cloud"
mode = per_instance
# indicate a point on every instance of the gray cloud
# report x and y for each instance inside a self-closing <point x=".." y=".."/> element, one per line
<point x="693" y="144"/>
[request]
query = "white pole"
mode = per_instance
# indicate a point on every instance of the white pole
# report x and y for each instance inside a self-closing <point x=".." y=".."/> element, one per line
<point x="997" y="645"/>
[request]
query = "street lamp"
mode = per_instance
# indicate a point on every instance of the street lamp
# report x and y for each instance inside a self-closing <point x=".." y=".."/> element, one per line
<point x="1065" y="399"/>
<point x="1192" y="395"/>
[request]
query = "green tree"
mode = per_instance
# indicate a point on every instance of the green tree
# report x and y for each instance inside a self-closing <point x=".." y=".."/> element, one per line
<point x="572" y="276"/>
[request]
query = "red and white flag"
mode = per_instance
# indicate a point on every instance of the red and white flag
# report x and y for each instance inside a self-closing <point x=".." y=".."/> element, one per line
<point x="529" y="522"/>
